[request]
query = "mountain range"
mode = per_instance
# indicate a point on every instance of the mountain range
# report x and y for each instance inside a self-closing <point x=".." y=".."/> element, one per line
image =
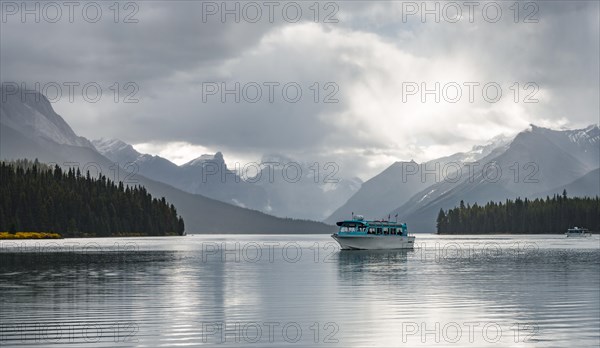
<point x="206" y="175"/>
<point x="278" y="185"/>
<point x="537" y="163"/>
<point x="29" y="128"/>
<point x="213" y="198"/>
<point x="402" y="180"/>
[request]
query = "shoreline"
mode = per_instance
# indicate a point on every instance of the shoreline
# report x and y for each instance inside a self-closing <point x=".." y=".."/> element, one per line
<point x="30" y="235"/>
<point x="54" y="235"/>
<point x="507" y="233"/>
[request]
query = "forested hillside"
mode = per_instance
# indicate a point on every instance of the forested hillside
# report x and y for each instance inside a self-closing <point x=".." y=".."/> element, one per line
<point x="550" y="215"/>
<point x="36" y="197"/>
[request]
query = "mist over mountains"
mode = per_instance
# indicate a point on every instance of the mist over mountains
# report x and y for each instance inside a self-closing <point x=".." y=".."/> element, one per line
<point x="277" y="185"/>
<point x="538" y="162"/>
<point x="400" y="181"/>
<point x="206" y="175"/>
<point x="29" y="128"/>
<point x="213" y="198"/>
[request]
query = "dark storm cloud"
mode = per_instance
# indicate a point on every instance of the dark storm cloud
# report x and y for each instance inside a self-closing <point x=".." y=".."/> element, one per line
<point x="168" y="37"/>
<point x="171" y="52"/>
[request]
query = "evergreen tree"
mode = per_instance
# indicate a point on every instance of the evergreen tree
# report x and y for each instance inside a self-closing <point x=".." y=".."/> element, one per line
<point x="550" y="215"/>
<point x="441" y="222"/>
<point x="36" y="197"/>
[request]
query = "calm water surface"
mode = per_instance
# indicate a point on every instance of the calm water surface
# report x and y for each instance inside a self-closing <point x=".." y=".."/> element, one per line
<point x="271" y="291"/>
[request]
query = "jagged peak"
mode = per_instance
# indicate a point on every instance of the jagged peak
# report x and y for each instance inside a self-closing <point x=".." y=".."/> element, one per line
<point x="217" y="157"/>
<point x="535" y="128"/>
<point x="109" y="142"/>
<point x="399" y="163"/>
<point x="497" y="141"/>
<point x="538" y="129"/>
<point x="112" y="145"/>
<point x="580" y="136"/>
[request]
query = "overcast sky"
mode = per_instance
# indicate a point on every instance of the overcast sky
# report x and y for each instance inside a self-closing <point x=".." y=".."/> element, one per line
<point x="364" y="58"/>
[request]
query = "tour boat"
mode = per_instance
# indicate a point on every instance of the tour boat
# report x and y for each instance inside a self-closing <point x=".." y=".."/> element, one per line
<point x="578" y="232"/>
<point x="359" y="233"/>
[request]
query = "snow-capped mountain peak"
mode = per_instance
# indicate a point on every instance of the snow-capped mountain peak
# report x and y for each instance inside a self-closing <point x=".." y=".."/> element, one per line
<point x="116" y="150"/>
<point x="590" y="134"/>
<point x="31" y="113"/>
<point x="107" y="145"/>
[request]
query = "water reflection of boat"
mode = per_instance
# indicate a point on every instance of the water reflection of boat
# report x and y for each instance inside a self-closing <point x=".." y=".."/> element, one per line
<point x="361" y="234"/>
<point x="373" y="256"/>
<point x="372" y="264"/>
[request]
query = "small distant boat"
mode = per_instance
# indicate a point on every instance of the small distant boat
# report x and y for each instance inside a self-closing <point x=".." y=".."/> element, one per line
<point x="360" y="234"/>
<point x="578" y="232"/>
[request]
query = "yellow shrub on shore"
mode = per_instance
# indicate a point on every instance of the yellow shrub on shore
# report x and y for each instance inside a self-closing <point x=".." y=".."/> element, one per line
<point x="30" y="235"/>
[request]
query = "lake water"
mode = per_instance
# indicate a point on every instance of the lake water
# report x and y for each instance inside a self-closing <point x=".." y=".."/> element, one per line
<point x="271" y="291"/>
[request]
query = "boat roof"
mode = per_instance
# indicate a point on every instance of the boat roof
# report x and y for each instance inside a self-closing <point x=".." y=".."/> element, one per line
<point x="368" y="222"/>
<point x="351" y="222"/>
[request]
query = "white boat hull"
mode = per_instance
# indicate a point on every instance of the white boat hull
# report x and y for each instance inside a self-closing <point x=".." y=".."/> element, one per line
<point x="578" y="235"/>
<point x="374" y="242"/>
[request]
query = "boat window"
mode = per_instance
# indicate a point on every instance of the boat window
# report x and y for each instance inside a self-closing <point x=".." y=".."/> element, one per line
<point x="379" y="230"/>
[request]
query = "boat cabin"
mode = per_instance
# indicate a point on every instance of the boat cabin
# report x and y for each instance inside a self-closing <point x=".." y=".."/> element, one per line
<point x="578" y="232"/>
<point x="376" y="227"/>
